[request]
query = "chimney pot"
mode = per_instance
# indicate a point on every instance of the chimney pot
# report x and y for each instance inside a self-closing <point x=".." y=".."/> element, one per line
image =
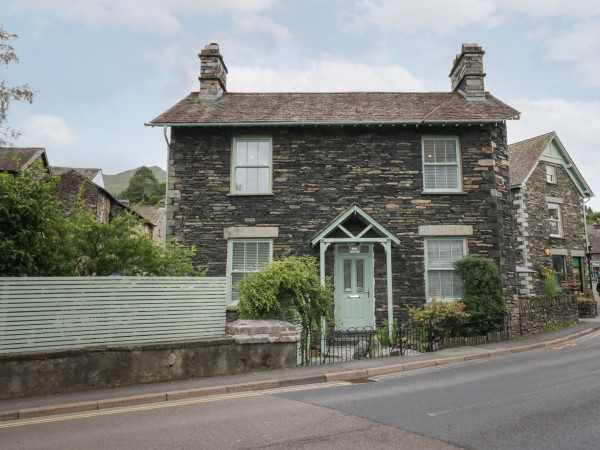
<point x="467" y="73"/>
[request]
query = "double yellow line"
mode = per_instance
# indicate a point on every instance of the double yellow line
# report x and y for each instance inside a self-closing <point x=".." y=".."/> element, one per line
<point x="195" y="401"/>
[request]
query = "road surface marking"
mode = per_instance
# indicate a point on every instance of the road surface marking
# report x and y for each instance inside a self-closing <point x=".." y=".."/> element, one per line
<point x="169" y="404"/>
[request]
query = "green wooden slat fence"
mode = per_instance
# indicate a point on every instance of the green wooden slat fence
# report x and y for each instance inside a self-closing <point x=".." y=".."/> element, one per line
<point x="76" y="312"/>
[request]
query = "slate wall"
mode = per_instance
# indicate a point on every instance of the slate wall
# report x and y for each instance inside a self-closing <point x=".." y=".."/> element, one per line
<point x="320" y="172"/>
<point x="531" y="216"/>
<point x="539" y="313"/>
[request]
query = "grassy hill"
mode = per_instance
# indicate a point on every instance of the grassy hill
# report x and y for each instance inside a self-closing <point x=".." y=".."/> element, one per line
<point x="119" y="182"/>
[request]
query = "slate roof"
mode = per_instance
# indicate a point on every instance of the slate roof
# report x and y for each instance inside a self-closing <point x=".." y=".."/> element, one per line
<point x="25" y="156"/>
<point x="90" y="174"/>
<point x="524" y="155"/>
<point x="152" y="213"/>
<point x="331" y="108"/>
<point x="594" y="238"/>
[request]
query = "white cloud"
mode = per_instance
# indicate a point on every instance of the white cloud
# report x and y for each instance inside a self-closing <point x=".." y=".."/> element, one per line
<point x="577" y="125"/>
<point x="45" y="130"/>
<point x="580" y="47"/>
<point x="251" y="23"/>
<point x="436" y="16"/>
<point x="330" y="74"/>
<point x="154" y="16"/>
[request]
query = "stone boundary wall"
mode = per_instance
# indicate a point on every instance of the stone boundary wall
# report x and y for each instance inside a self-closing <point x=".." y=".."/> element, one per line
<point x="539" y="313"/>
<point x="51" y="372"/>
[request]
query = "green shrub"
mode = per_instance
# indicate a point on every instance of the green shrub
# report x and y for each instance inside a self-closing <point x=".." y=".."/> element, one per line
<point x="482" y="293"/>
<point x="292" y="282"/>
<point x="552" y="289"/>
<point x="440" y="319"/>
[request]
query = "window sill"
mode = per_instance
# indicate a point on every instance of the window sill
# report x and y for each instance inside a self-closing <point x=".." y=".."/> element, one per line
<point x="257" y="194"/>
<point x="443" y="193"/>
<point x="562" y="238"/>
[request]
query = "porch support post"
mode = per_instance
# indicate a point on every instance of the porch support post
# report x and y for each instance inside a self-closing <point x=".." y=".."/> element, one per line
<point x="388" y="254"/>
<point x="323" y="247"/>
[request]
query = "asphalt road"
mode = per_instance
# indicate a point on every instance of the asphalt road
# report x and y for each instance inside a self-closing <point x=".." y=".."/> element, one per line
<point x="545" y="398"/>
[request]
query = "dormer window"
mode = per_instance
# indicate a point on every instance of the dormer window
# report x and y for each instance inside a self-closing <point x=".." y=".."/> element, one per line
<point x="551" y="174"/>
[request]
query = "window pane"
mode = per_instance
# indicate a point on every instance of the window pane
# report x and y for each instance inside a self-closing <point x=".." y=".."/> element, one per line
<point x="238" y="256"/>
<point x="241" y="183"/>
<point x="440" y="151"/>
<point x="428" y="150"/>
<point x="429" y="177"/>
<point x="347" y="275"/>
<point x="241" y="153"/>
<point x="451" y="151"/>
<point x="263" y="153"/>
<point x="252" y="153"/>
<point x="262" y="181"/>
<point x="360" y="282"/>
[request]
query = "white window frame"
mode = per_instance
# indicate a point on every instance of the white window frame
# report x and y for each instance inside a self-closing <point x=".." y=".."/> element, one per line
<point x="230" y="269"/>
<point x="429" y="270"/>
<point x="550" y="174"/>
<point x="235" y="166"/>
<point x="558" y="220"/>
<point x="456" y="165"/>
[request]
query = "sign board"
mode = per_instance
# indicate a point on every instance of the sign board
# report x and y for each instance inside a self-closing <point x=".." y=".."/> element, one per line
<point x="353" y="249"/>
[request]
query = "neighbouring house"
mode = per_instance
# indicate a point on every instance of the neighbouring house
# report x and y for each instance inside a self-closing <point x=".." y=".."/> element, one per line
<point x="593" y="232"/>
<point x="73" y="183"/>
<point x="549" y="197"/>
<point x="155" y="215"/>
<point x="385" y="189"/>
<point x="13" y="159"/>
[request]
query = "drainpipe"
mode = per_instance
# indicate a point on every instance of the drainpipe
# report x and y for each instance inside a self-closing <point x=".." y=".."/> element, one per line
<point x="587" y="244"/>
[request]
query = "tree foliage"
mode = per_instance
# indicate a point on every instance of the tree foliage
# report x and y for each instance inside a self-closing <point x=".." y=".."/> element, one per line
<point x="292" y="282"/>
<point x="121" y="247"/>
<point x="591" y="216"/>
<point x="482" y="292"/>
<point x="31" y="226"/>
<point x="36" y="240"/>
<point x="9" y="93"/>
<point x="144" y="188"/>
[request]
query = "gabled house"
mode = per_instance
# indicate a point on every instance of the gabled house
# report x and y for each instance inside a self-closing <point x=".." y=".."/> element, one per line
<point x="549" y="197"/>
<point x="385" y="189"/>
<point x="77" y="183"/>
<point x="72" y="183"/>
<point x="13" y="159"/>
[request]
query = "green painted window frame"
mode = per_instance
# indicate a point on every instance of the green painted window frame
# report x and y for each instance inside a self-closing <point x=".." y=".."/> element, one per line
<point x="551" y="174"/>
<point x="456" y="165"/>
<point x="232" y="298"/>
<point x="235" y="166"/>
<point x="557" y="221"/>
<point x="429" y="270"/>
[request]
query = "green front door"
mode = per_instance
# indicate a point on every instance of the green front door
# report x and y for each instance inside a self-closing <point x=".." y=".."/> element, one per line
<point x="353" y="286"/>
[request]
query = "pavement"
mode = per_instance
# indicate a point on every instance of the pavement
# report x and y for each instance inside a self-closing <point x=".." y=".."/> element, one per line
<point x="30" y="407"/>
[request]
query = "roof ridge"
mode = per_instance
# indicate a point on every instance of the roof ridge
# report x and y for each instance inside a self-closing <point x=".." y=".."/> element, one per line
<point x="533" y="138"/>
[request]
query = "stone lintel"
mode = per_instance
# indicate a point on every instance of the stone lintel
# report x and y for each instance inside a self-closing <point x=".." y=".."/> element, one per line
<point x="250" y="232"/>
<point x="445" y="230"/>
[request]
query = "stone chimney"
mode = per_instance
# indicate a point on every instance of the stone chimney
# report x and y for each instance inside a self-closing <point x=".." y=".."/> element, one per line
<point x="213" y="72"/>
<point x="467" y="73"/>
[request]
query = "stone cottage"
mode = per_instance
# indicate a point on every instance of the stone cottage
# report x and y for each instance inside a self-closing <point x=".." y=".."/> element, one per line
<point x="549" y="197"/>
<point x="385" y="189"/>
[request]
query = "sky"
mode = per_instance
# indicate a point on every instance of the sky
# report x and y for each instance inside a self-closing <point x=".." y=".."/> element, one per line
<point x="101" y="69"/>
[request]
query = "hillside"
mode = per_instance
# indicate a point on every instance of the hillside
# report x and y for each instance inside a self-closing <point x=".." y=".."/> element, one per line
<point x="119" y="182"/>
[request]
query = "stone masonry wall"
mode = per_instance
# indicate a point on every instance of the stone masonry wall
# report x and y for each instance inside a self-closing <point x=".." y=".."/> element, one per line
<point x="533" y="229"/>
<point x="320" y="172"/>
<point x="539" y="313"/>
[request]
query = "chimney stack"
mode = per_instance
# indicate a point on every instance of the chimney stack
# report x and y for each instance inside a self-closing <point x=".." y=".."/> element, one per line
<point x="213" y="72"/>
<point x="467" y="73"/>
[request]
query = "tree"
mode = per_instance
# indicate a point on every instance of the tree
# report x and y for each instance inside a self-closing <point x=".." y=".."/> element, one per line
<point x="36" y="240"/>
<point x="121" y="248"/>
<point x="31" y="226"/>
<point x="9" y="93"/>
<point x="591" y="216"/>
<point x="144" y="188"/>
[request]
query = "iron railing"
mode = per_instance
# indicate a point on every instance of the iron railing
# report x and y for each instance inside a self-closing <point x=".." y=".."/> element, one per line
<point x="333" y="345"/>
